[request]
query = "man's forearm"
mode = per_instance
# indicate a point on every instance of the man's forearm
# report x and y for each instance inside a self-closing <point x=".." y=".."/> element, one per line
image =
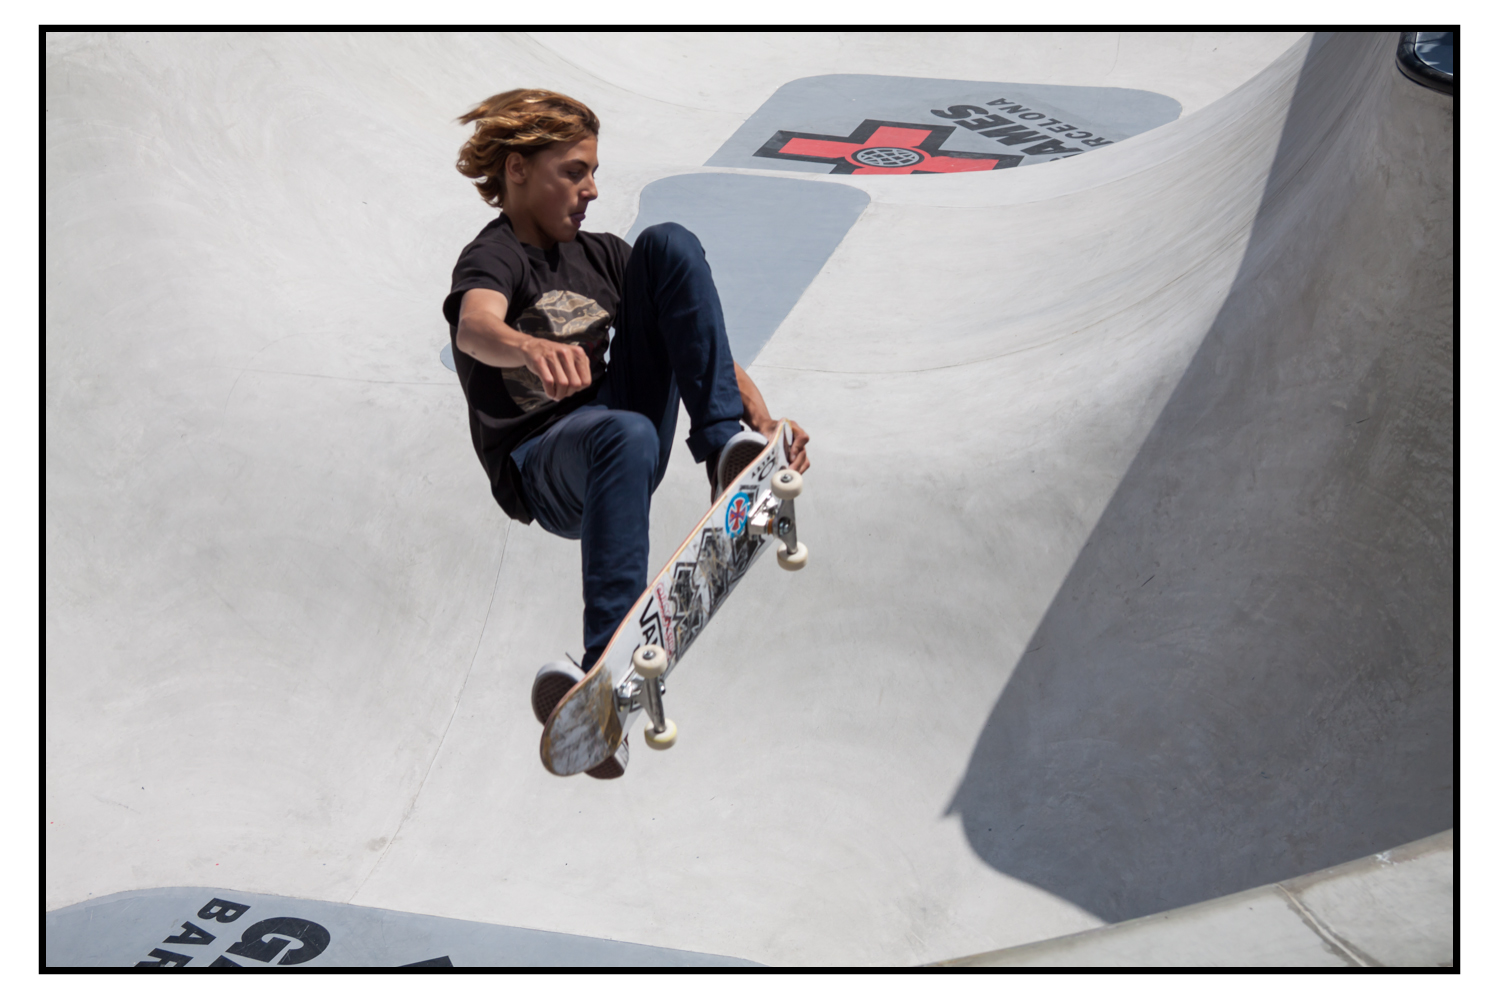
<point x="492" y="341"/>
<point x="757" y="414"/>
<point x="484" y="335"/>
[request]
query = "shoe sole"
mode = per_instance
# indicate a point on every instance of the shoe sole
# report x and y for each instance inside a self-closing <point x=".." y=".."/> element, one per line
<point x="546" y="693"/>
<point x="611" y="768"/>
<point x="740" y="456"/>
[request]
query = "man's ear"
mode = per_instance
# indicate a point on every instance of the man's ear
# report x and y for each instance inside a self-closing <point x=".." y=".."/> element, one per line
<point x="516" y="168"/>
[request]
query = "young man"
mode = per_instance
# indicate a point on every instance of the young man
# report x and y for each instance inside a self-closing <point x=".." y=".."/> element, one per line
<point x="575" y="445"/>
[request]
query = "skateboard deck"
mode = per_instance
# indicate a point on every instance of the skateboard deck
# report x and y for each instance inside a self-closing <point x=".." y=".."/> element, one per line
<point x="590" y="722"/>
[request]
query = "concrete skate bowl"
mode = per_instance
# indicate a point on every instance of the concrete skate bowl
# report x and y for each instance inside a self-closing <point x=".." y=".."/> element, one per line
<point x="1130" y="513"/>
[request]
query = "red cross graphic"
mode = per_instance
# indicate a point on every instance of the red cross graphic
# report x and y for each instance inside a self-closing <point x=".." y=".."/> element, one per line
<point x="737" y="513"/>
<point x="878" y="147"/>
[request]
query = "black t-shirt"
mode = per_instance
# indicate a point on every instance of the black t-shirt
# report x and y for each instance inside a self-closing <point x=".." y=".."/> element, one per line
<point x="570" y="293"/>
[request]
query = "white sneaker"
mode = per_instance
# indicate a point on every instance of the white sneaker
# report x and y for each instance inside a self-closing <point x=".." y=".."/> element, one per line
<point x="552" y="682"/>
<point x="738" y="452"/>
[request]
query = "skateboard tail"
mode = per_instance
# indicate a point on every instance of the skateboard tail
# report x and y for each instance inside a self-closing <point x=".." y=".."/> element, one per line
<point x="587" y="726"/>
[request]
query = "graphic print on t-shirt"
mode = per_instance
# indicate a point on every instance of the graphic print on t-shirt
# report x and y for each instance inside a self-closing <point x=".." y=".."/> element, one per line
<point x="568" y="318"/>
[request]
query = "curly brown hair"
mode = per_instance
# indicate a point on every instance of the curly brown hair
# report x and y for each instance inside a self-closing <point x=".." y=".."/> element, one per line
<point x="518" y="121"/>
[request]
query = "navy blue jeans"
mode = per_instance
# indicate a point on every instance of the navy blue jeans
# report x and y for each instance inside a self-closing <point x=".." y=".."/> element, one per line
<point x="590" y="476"/>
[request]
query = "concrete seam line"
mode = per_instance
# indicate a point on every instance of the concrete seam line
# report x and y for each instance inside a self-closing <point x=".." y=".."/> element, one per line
<point x="1347" y="951"/>
<point x="442" y="741"/>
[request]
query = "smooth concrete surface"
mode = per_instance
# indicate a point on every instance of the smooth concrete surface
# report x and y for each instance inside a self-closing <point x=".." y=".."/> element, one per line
<point x="1256" y="640"/>
<point x="290" y="636"/>
<point x="1391" y="909"/>
<point x="765" y="238"/>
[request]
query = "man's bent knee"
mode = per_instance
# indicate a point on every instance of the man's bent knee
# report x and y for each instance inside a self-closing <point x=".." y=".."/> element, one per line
<point x="630" y="437"/>
<point x="668" y="237"/>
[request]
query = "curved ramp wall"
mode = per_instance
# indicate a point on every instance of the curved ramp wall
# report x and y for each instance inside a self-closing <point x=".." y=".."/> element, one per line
<point x="289" y="636"/>
<point x="1248" y="672"/>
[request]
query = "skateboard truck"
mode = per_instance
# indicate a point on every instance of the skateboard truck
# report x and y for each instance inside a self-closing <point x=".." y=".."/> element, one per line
<point x="645" y="691"/>
<point x="776" y="515"/>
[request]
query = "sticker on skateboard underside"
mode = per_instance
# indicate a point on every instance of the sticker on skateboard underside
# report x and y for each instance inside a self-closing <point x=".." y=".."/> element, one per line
<point x="737" y="516"/>
<point x="683" y="603"/>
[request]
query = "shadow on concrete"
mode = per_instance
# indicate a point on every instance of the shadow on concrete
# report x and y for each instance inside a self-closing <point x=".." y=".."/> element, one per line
<point x="1247" y="674"/>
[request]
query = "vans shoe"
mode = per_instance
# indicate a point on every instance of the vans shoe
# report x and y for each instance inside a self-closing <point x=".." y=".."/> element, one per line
<point x="552" y="682"/>
<point x="737" y="453"/>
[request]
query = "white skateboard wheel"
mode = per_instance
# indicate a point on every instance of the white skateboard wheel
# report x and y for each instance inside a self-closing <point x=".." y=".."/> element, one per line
<point x="663" y="739"/>
<point x="650" y="661"/>
<point x="792" y="560"/>
<point x="786" y="484"/>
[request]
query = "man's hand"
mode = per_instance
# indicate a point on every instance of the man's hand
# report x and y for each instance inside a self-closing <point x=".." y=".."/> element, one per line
<point x="563" y="368"/>
<point x="799" y="447"/>
<point x="759" y="417"/>
<point x="799" y="442"/>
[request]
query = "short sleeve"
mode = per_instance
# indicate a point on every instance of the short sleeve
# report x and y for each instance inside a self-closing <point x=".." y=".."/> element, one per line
<point x="619" y="258"/>
<point x="485" y="263"/>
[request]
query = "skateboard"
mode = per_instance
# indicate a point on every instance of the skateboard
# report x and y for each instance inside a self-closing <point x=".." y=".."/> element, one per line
<point x="590" y="722"/>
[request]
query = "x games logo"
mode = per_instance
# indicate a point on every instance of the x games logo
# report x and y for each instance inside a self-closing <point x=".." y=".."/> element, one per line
<point x="879" y="147"/>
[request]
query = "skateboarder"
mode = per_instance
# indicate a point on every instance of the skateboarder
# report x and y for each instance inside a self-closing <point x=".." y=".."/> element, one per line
<point x="567" y="440"/>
